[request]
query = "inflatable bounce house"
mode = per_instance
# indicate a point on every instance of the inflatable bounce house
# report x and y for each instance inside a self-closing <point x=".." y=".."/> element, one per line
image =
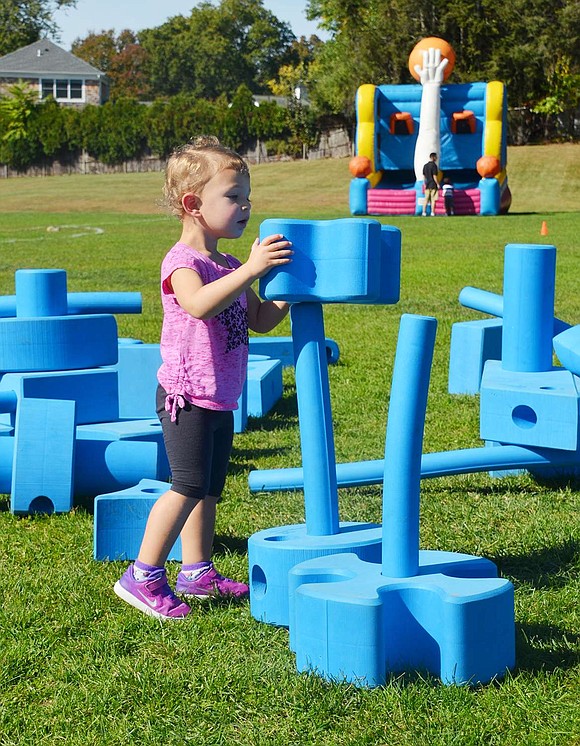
<point x="398" y="126"/>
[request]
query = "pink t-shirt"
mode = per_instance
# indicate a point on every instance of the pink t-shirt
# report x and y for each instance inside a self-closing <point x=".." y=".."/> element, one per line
<point x="204" y="360"/>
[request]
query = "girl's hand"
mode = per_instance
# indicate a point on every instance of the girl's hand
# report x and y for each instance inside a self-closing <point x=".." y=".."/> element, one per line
<point x="272" y="251"/>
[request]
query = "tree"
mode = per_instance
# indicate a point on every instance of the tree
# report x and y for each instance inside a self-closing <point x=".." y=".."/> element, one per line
<point x="23" y="22"/>
<point x="48" y="127"/>
<point x="299" y="118"/>
<point x="172" y="122"/>
<point x="217" y="49"/>
<point x="97" y="49"/>
<point x="114" y="132"/>
<point x="121" y="57"/>
<point x="564" y="95"/>
<point x="18" y="147"/>
<point x="516" y="42"/>
<point x="128" y="71"/>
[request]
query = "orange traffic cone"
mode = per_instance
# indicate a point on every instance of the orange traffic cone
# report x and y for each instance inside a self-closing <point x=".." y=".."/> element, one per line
<point x="544" y="229"/>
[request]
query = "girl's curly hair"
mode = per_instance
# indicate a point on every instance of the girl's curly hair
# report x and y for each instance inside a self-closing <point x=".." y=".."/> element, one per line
<point x="191" y="166"/>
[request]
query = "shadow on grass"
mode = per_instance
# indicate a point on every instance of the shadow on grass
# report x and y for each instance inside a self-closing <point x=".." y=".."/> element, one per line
<point x="283" y="415"/>
<point x="545" y="647"/>
<point x="230" y="545"/>
<point x="545" y="568"/>
<point x="242" y="462"/>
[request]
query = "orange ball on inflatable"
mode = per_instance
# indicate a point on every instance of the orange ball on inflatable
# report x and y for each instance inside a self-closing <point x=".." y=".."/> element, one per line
<point x="416" y="56"/>
<point x="360" y="166"/>
<point x="488" y="166"/>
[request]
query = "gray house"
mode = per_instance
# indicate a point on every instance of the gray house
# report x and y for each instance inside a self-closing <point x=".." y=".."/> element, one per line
<point x="50" y="70"/>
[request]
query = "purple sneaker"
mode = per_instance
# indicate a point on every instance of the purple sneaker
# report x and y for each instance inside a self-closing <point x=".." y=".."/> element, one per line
<point x="152" y="597"/>
<point x="209" y="583"/>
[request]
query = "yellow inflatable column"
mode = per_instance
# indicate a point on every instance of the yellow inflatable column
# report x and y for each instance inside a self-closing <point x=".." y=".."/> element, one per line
<point x="493" y="134"/>
<point x="366" y="128"/>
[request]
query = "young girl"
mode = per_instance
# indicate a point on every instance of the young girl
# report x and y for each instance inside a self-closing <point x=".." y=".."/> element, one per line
<point x="208" y="305"/>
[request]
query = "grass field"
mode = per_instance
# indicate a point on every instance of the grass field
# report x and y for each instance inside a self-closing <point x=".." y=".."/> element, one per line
<point x="78" y="667"/>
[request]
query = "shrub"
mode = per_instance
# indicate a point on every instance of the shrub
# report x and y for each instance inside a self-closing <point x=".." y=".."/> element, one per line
<point x="114" y="132"/>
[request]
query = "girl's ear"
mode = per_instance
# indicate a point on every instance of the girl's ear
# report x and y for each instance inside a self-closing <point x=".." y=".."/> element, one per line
<point x="190" y="203"/>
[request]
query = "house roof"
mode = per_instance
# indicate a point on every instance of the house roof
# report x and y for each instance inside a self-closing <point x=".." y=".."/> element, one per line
<point x="45" y="58"/>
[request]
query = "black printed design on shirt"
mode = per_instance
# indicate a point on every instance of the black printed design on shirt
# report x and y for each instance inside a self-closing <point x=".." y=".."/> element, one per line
<point x="235" y="320"/>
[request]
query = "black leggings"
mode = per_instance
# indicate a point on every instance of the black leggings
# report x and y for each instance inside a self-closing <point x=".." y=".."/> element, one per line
<point x="198" y="445"/>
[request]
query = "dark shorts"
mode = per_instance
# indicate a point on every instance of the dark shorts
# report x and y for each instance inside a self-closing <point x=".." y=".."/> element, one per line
<point x="198" y="445"/>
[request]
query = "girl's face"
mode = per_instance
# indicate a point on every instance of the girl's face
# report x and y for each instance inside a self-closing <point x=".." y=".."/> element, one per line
<point x="224" y="204"/>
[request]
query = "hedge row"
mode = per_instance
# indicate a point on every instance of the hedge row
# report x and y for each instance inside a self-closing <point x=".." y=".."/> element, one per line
<point x="124" y="129"/>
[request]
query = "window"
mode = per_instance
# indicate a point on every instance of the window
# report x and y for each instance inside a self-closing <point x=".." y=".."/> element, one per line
<point x="62" y="89"/>
<point x="76" y="89"/>
<point x="46" y="88"/>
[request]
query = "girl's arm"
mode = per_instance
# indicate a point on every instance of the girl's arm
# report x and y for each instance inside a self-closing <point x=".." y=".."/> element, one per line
<point x="263" y="316"/>
<point x="205" y="301"/>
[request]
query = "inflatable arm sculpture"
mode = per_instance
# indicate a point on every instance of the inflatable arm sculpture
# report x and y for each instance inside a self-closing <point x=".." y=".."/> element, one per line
<point x="431" y="76"/>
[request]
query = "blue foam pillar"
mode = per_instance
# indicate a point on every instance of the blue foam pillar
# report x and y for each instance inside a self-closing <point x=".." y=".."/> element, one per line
<point x="404" y="445"/>
<point x="358" y="191"/>
<point x="315" y="420"/>
<point x="489" y="193"/>
<point x="40" y="292"/>
<point x="528" y="307"/>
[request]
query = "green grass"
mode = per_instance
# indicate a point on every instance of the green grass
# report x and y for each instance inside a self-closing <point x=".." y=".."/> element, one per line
<point x="78" y="667"/>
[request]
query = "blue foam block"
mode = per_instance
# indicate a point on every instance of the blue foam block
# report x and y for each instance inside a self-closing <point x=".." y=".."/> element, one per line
<point x="567" y="348"/>
<point x="473" y="343"/>
<point x="106" y="465"/>
<point x="137" y="375"/>
<point x="93" y="391"/>
<point x="454" y="620"/>
<point x="241" y="413"/>
<point x="282" y="349"/>
<point x="273" y="552"/>
<point x="8" y="401"/>
<point x="57" y="343"/>
<point x="42" y="469"/>
<point x="111" y="455"/>
<point x="531" y="409"/>
<point x="120" y="519"/>
<point x="264" y="385"/>
<point x="335" y="261"/>
<point x="6" y="459"/>
<point x="140" y="429"/>
<point x="279" y="348"/>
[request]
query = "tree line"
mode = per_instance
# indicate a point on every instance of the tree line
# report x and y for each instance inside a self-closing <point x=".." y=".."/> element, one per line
<point x="201" y="71"/>
<point x="32" y="131"/>
<point x="533" y="46"/>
